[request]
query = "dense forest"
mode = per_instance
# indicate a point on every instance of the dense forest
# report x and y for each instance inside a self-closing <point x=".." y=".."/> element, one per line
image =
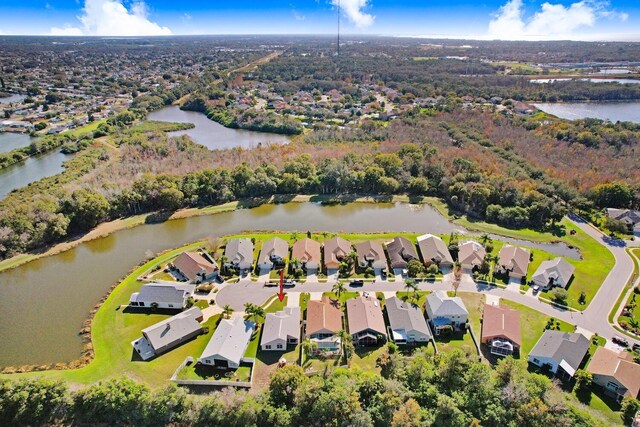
<point x="482" y="165"/>
<point x="448" y="389"/>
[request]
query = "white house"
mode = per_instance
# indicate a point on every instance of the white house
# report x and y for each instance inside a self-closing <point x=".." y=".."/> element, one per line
<point x="163" y="295"/>
<point x="280" y="329"/>
<point x="228" y="343"/>
<point x="274" y="252"/>
<point x="444" y="311"/>
<point x="434" y="250"/>
<point x="239" y="253"/>
<point x="560" y="352"/>
<point x="169" y="333"/>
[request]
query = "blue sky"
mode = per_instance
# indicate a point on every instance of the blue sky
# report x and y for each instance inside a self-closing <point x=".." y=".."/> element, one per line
<point x="501" y="19"/>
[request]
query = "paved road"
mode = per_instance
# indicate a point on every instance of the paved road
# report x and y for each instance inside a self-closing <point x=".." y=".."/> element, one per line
<point x="594" y="318"/>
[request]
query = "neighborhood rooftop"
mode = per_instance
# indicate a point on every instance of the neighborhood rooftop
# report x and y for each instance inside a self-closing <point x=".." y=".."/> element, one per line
<point x="230" y="340"/>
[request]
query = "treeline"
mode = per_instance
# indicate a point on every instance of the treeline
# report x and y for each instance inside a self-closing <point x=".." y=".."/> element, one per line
<point x="443" y="390"/>
<point x="223" y="113"/>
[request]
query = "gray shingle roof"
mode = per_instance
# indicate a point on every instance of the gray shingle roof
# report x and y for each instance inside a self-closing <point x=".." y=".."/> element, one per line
<point x="230" y="340"/>
<point x="239" y="250"/>
<point x="173" y="329"/>
<point x="167" y="293"/>
<point x="281" y="325"/>
<point x="442" y="305"/>
<point x="557" y="269"/>
<point x="434" y="249"/>
<point x="405" y="316"/>
<point x="559" y="346"/>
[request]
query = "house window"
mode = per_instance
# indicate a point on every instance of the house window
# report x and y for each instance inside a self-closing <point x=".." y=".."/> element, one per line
<point x="268" y="346"/>
<point x="170" y="305"/>
<point x="612" y="386"/>
<point x="536" y="361"/>
<point x="279" y="346"/>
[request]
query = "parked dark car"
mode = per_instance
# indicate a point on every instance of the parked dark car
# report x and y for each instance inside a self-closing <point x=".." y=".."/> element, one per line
<point x="620" y="341"/>
<point x="356" y="282"/>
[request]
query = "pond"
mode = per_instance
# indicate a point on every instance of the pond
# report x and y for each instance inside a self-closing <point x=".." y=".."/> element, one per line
<point x="212" y="134"/>
<point x="10" y="141"/>
<point x="31" y="170"/>
<point x="43" y="303"/>
<point x="614" y="111"/>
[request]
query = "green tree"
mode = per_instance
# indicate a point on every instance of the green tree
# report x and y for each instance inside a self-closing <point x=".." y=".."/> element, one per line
<point x="86" y="209"/>
<point x="415" y="268"/>
<point x="339" y="288"/>
<point x="226" y="311"/>
<point x="115" y="402"/>
<point x="583" y="380"/>
<point x="36" y="401"/>
<point x="560" y="295"/>
<point x="285" y="383"/>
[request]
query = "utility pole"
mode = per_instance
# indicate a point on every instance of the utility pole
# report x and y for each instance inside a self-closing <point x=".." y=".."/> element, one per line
<point x="338" y="28"/>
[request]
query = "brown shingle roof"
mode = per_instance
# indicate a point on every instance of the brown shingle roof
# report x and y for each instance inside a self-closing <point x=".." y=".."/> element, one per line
<point x="514" y="259"/>
<point x="306" y="250"/>
<point x="501" y="322"/>
<point x="323" y="315"/>
<point x="334" y="250"/>
<point x="365" y="313"/>
<point x="617" y="365"/>
<point x="192" y="263"/>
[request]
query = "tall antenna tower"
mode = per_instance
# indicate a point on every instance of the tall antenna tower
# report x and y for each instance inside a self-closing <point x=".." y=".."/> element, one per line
<point x="338" y="28"/>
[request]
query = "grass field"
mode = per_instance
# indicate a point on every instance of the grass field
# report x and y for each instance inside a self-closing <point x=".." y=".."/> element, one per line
<point x="634" y="299"/>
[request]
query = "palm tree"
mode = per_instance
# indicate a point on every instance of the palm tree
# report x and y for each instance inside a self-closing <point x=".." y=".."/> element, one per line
<point x="339" y="288"/>
<point x="347" y="344"/>
<point x="223" y="263"/>
<point x="485" y="238"/>
<point x="309" y="347"/>
<point x="226" y="311"/>
<point x="254" y="311"/>
<point x="411" y="286"/>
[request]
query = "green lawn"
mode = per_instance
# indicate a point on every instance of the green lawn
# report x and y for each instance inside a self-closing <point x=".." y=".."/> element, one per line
<point x="343" y="296"/>
<point x="422" y="296"/>
<point x="532" y="325"/>
<point x="114" y="327"/>
<point x="475" y="307"/>
<point x="365" y="358"/>
<point x="459" y="341"/>
<point x="633" y="315"/>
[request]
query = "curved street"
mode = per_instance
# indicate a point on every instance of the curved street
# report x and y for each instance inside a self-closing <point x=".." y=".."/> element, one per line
<point x="594" y="318"/>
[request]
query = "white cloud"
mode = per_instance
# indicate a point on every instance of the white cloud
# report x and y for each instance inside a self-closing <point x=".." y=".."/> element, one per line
<point x="354" y="9"/>
<point x="551" y="21"/>
<point x="113" y="18"/>
<point x="298" y="16"/>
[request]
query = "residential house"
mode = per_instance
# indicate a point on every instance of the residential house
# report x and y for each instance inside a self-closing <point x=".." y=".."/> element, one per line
<point x="195" y="266"/>
<point x="366" y="323"/>
<point x="615" y="373"/>
<point x="630" y="217"/>
<point x="308" y="252"/>
<point x="324" y="321"/>
<point x="501" y="330"/>
<point x="169" y="333"/>
<point x="471" y="254"/>
<point x="401" y="251"/>
<point x="163" y="295"/>
<point x="556" y="272"/>
<point x="445" y="311"/>
<point x="371" y="254"/>
<point x="239" y="254"/>
<point x="335" y="250"/>
<point x="560" y="352"/>
<point x="280" y="329"/>
<point x="434" y="250"/>
<point x="228" y="343"/>
<point x="274" y="252"/>
<point x="514" y="261"/>
<point x="407" y="324"/>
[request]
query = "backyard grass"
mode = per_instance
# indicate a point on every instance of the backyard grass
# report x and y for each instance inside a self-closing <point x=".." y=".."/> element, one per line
<point x="365" y="358"/>
<point x="114" y="327"/>
<point x="532" y="325"/>
<point x="634" y="315"/>
<point x="457" y="341"/>
<point x="201" y="372"/>
<point x="422" y="296"/>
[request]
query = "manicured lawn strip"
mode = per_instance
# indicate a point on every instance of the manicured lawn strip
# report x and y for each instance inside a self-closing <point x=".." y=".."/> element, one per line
<point x="475" y="307"/>
<point x="458" y="341"/>
<point x="422" y="296"/>
<point x="633" y="297"/>
<point x="532" y="325"/>
<point x="343" y="297"/>
<point x="635" y="255"/>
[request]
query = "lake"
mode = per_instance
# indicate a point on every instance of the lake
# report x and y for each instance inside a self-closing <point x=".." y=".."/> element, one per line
<point x="43" y="303"/>
<point x="621" y="81"/>
<point x="31" y="170"/>
<point x="10" y="141"/>
<point x="212" y="134"/>
<point x="614" y="111"/>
